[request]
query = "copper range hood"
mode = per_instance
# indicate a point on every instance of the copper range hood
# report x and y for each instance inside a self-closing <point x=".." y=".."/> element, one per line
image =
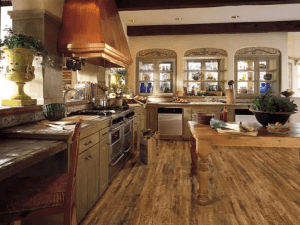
<point x="92" y="29"/>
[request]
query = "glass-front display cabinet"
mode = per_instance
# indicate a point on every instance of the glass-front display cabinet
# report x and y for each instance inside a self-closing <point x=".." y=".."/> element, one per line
<point x="204" y="70"/>
<point x="257" y="70"/>
<point x="156" y="75"/>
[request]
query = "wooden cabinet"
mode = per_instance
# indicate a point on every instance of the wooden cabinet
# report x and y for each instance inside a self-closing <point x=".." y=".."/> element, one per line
<point x="209" y="109"/>
<point x="187" y="116"/>
<point x="257" y="70"/>
<point x="152" y="118"/>
<point x="103" y="166"/>
<point x="88" y="173"/>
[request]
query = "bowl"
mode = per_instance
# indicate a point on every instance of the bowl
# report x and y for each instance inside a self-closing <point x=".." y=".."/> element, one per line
<point x="54" y="111"/>
<point x="264" y="118"/>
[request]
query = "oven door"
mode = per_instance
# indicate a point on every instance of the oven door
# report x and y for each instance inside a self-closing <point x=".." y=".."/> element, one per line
<point x="115" y="142"/>
<point x="128" y="138"/>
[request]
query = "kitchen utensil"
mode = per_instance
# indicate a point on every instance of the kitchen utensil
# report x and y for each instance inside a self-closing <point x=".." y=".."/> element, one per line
<point x="103" y="102"/>
<point x="230" y="83"/>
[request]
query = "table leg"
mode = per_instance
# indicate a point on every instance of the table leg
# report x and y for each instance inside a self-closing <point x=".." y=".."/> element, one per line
<point x="193" y="156"/>
<point x="203" y="151"/>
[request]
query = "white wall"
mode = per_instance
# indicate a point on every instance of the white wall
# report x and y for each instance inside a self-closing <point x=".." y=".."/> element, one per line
<point x="229" y="42"/>
<point x="294" y="51"/>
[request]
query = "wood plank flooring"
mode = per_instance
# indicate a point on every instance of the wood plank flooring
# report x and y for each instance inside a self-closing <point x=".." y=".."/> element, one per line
<point x="251" y="186"/>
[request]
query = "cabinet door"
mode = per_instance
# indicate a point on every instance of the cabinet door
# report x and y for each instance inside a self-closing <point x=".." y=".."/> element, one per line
<point x="93" y="174"/>
<point x="152" y="119"/>
<point x="187" y="116"/>
<point x="81" y="185"/>
<point x="103" y="165"/>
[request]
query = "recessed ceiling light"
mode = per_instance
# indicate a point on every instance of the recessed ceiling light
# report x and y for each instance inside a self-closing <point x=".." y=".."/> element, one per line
<point x="178" y="19"/>
<point x="131" y="20"/>
<point x="235" y="17"/>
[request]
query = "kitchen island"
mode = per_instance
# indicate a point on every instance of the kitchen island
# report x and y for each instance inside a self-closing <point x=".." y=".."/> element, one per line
<point x="188" y="109"/>
<point x="203" y="138"/>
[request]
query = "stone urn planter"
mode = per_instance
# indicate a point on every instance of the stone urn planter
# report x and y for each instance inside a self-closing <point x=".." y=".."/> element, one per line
<point x="19" y="69"/>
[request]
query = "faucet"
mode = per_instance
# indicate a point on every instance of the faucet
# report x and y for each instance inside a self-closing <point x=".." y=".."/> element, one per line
<point x="66" y="90"/>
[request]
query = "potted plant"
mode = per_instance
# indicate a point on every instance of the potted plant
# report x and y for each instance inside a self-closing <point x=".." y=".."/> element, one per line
<point x="269" y="108"/>
<point x="20" y="51"/>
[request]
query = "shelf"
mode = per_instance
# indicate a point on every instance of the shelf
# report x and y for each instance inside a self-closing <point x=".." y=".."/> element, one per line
<point x="143" y="81"/>
<point x="205" y="70"/>
<point x="246" y="71"/>
<point x="204" y="80"/>
<point x="165" y="71"/>
<point x="165" y="80"/>
<point x="265" y="70"/>
<point x="245" y="80"/>
<point x="267" y="81"/>
<point x="143" y="71"/>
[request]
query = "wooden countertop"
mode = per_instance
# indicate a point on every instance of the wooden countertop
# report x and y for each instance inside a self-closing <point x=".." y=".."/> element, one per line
<point x="19" y="154"/>
<point x="205" y="131"/>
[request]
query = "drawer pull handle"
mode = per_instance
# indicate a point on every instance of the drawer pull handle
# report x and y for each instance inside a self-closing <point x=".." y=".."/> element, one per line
<point x="89" y="142"/>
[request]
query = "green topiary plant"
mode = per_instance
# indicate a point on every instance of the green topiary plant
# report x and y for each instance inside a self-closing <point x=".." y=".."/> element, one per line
<point x="267" y="102"/>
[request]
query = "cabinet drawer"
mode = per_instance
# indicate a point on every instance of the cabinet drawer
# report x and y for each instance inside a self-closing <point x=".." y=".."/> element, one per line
<point x="89" y="141"/>
<point x="103" y="134"/>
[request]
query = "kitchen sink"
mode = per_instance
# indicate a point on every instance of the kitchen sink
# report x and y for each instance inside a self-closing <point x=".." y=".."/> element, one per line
<point x="207" y="103"/>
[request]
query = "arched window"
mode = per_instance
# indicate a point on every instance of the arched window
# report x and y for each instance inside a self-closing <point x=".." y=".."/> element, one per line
<point x="156" y="72"/>
<point x="204" y="71"/>
<point x="257" y="69"/>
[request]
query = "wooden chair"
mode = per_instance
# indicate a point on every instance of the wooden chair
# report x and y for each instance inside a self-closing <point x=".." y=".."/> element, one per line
<point x="31" y="197"/>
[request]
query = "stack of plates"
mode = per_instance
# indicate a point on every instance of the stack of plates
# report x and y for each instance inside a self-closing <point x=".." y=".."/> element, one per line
<point x="202" y="118"/>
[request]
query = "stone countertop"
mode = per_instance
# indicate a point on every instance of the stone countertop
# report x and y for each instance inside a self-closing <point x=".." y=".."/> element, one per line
<point x="198" y="104"/>
<point x="36" y="130"/>
<point x="19" y="154"/>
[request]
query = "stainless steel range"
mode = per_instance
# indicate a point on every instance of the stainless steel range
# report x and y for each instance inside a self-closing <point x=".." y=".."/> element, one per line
<point x="120" y="134"/>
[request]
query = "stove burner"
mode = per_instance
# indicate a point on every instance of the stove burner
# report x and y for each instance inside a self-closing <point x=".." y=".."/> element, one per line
<point x="103" y="113"/>
<point x="116" y="108"/>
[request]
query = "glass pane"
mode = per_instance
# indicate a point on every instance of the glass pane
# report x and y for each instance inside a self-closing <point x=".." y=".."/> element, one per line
<point x="267" y="76"/>
<point x="211" y="86"/>
<point x="165" y="66"/>
<point x="245" y="76"/>
<point x="245" y="65"/>
<point x="127" y="129"/>
<point x="265" y="87"/>
<point x="194" y="65"/>
<point x="194" y="85"/>
<point x="212" y="65"/>
<point x="146" y="87"/>
<point x="211" y="76"/>
<point x="195" y="76"/>
<point x="165" y="76"/>
<point x="165" y="87"/>
<point x="115" y="136"/>
<point x="146" y="76"/>
<point x="243" y="87"/>
<point x="146" y="66"/>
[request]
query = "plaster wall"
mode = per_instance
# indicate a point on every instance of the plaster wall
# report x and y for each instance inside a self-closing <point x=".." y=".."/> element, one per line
<point x="229" y="42"/>
<point x="53" y="6"/>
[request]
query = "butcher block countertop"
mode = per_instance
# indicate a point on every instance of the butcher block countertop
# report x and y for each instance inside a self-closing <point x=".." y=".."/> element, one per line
<point x="25" y="145"/>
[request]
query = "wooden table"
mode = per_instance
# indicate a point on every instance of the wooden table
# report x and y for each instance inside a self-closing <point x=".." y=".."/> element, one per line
<point x="204" y="137"/>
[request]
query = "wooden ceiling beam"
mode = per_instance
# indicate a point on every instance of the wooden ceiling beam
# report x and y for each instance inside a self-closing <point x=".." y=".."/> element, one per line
<point x="215" y="28"/>
<point x="125" y="5"/>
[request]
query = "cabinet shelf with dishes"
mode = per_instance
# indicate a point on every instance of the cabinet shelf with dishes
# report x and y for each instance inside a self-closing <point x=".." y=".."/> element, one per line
<point x="158" y="78"/>
<point x="202" y="74"/>
<point x="264" y="74"/>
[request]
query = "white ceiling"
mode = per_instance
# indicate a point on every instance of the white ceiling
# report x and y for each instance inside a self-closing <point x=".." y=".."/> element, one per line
<point x="212" y="15"/>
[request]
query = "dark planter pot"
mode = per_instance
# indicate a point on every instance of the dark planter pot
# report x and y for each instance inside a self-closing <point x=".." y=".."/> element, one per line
<point x="264" y="118"/>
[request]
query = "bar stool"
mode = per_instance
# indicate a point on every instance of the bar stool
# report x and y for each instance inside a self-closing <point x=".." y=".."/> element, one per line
<point x="30" y="197"/>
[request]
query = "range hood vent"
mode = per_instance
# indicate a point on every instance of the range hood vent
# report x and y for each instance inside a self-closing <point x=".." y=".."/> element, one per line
<point x="92" y="29"/>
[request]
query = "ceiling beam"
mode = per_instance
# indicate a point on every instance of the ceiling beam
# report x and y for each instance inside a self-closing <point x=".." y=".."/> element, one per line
<point x="215" y="28"/>
<point x="126" y="5"/>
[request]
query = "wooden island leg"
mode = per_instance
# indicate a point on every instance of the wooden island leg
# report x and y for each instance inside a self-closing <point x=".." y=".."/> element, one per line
<point x="203" y="151"/>
<point x="193" y="156"/>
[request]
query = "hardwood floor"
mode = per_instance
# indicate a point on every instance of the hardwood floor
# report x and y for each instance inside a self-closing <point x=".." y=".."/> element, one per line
<point x="251" y="186"/>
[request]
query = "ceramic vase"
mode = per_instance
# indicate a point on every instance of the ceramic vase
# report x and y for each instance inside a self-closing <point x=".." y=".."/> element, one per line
<point x="19" y="69"/>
